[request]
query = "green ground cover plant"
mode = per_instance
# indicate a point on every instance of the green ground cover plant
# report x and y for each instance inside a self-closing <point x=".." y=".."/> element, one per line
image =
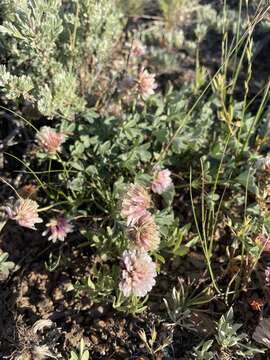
<point x="135" y="175"/>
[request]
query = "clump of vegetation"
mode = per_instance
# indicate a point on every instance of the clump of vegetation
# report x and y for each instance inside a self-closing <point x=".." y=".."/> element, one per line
<point x="135" y="168"/>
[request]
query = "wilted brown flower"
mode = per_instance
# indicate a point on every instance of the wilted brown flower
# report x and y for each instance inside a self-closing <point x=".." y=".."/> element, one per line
<point x="144" y="234"/>
<point x="28" y="191"/>
<point x="138" y="273"/>
<point x="33" y="342"/>
<point x="257" y="304"/>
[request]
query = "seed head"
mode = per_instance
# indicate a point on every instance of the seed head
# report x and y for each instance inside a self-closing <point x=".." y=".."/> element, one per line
<point x="144" y="235"/>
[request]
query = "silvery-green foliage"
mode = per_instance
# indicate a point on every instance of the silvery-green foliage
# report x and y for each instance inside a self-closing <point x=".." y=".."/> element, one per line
<point x="36" y="25"/>
<point x="101" y="25"/>
<point x="181" y="304"/>
<point x="5" y="265"/>
<point x="44" y="39"/>
<point x="202" y="351"/>
<point x="177" y="310"/>
<point x="51" y="101"/>
<point x="15" y="86"/>
<point x="227" y="335"/>
<point x="135" y="7"/>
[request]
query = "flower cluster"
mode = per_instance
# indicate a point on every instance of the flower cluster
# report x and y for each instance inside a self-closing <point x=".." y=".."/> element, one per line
<point x="49" y="140"/>
<point x="141" y="227"/>
<point x="162" y="181"/>
<point x="146" y="83"/>
<point x="138" y="270"/>
<point x="25" y="212"/>
<point x="58" y="228"/>
<point x="138" y="274"/>
<point x="144" y="235"/>
<point x="135" y="204"/>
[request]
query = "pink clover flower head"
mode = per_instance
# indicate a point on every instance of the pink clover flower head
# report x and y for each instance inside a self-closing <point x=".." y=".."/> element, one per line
<point x="144" y="234"/>
<point x="138" y="273"/>
<point x="162" y="181"/>
<point x="135" y="203"/>
<point x="49" y="140"/>
<point x="58" y="228"/>
<point x="146" y="83"/>
<point x="25" y="212"/>
<point x="137" y="48"/>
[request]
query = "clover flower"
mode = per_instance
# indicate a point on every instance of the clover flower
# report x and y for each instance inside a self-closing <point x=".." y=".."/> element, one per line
<point x="144" y="234"/>
<point x="25" y="212"/>
<point x="146" y="83"/>
<point x="135" y="203"/>
<point x="58" y="228"/>
<point x="137" y="48"/>
<point x="49" y="140"/>
<point x="162" y="181"/>
<point x="138" y="273"/>
<point x="262" y="332"/>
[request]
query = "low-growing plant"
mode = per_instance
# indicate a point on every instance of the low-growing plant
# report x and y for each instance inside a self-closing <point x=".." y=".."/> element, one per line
<point x="5" y="265"/>
<point x="81" y="354"/>
<point x="202" y="351"/>
<point x="228" y="336"/>
<point x="182" y="302"/>
<point x="138" y="168"/>
<point x="152" y="344"/>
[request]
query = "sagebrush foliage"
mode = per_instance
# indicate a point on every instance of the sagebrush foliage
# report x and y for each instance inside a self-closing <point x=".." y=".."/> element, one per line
<point x="43" y="40"/>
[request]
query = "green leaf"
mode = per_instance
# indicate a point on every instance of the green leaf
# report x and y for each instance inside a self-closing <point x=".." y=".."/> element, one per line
<point x="247" y="179"/>
<point x="85" y="355"/>
<point x="182" y="250"/>
<point x="143" y="179"/>
<point x="168" y="196"/>
<point x="73" y="356"/>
